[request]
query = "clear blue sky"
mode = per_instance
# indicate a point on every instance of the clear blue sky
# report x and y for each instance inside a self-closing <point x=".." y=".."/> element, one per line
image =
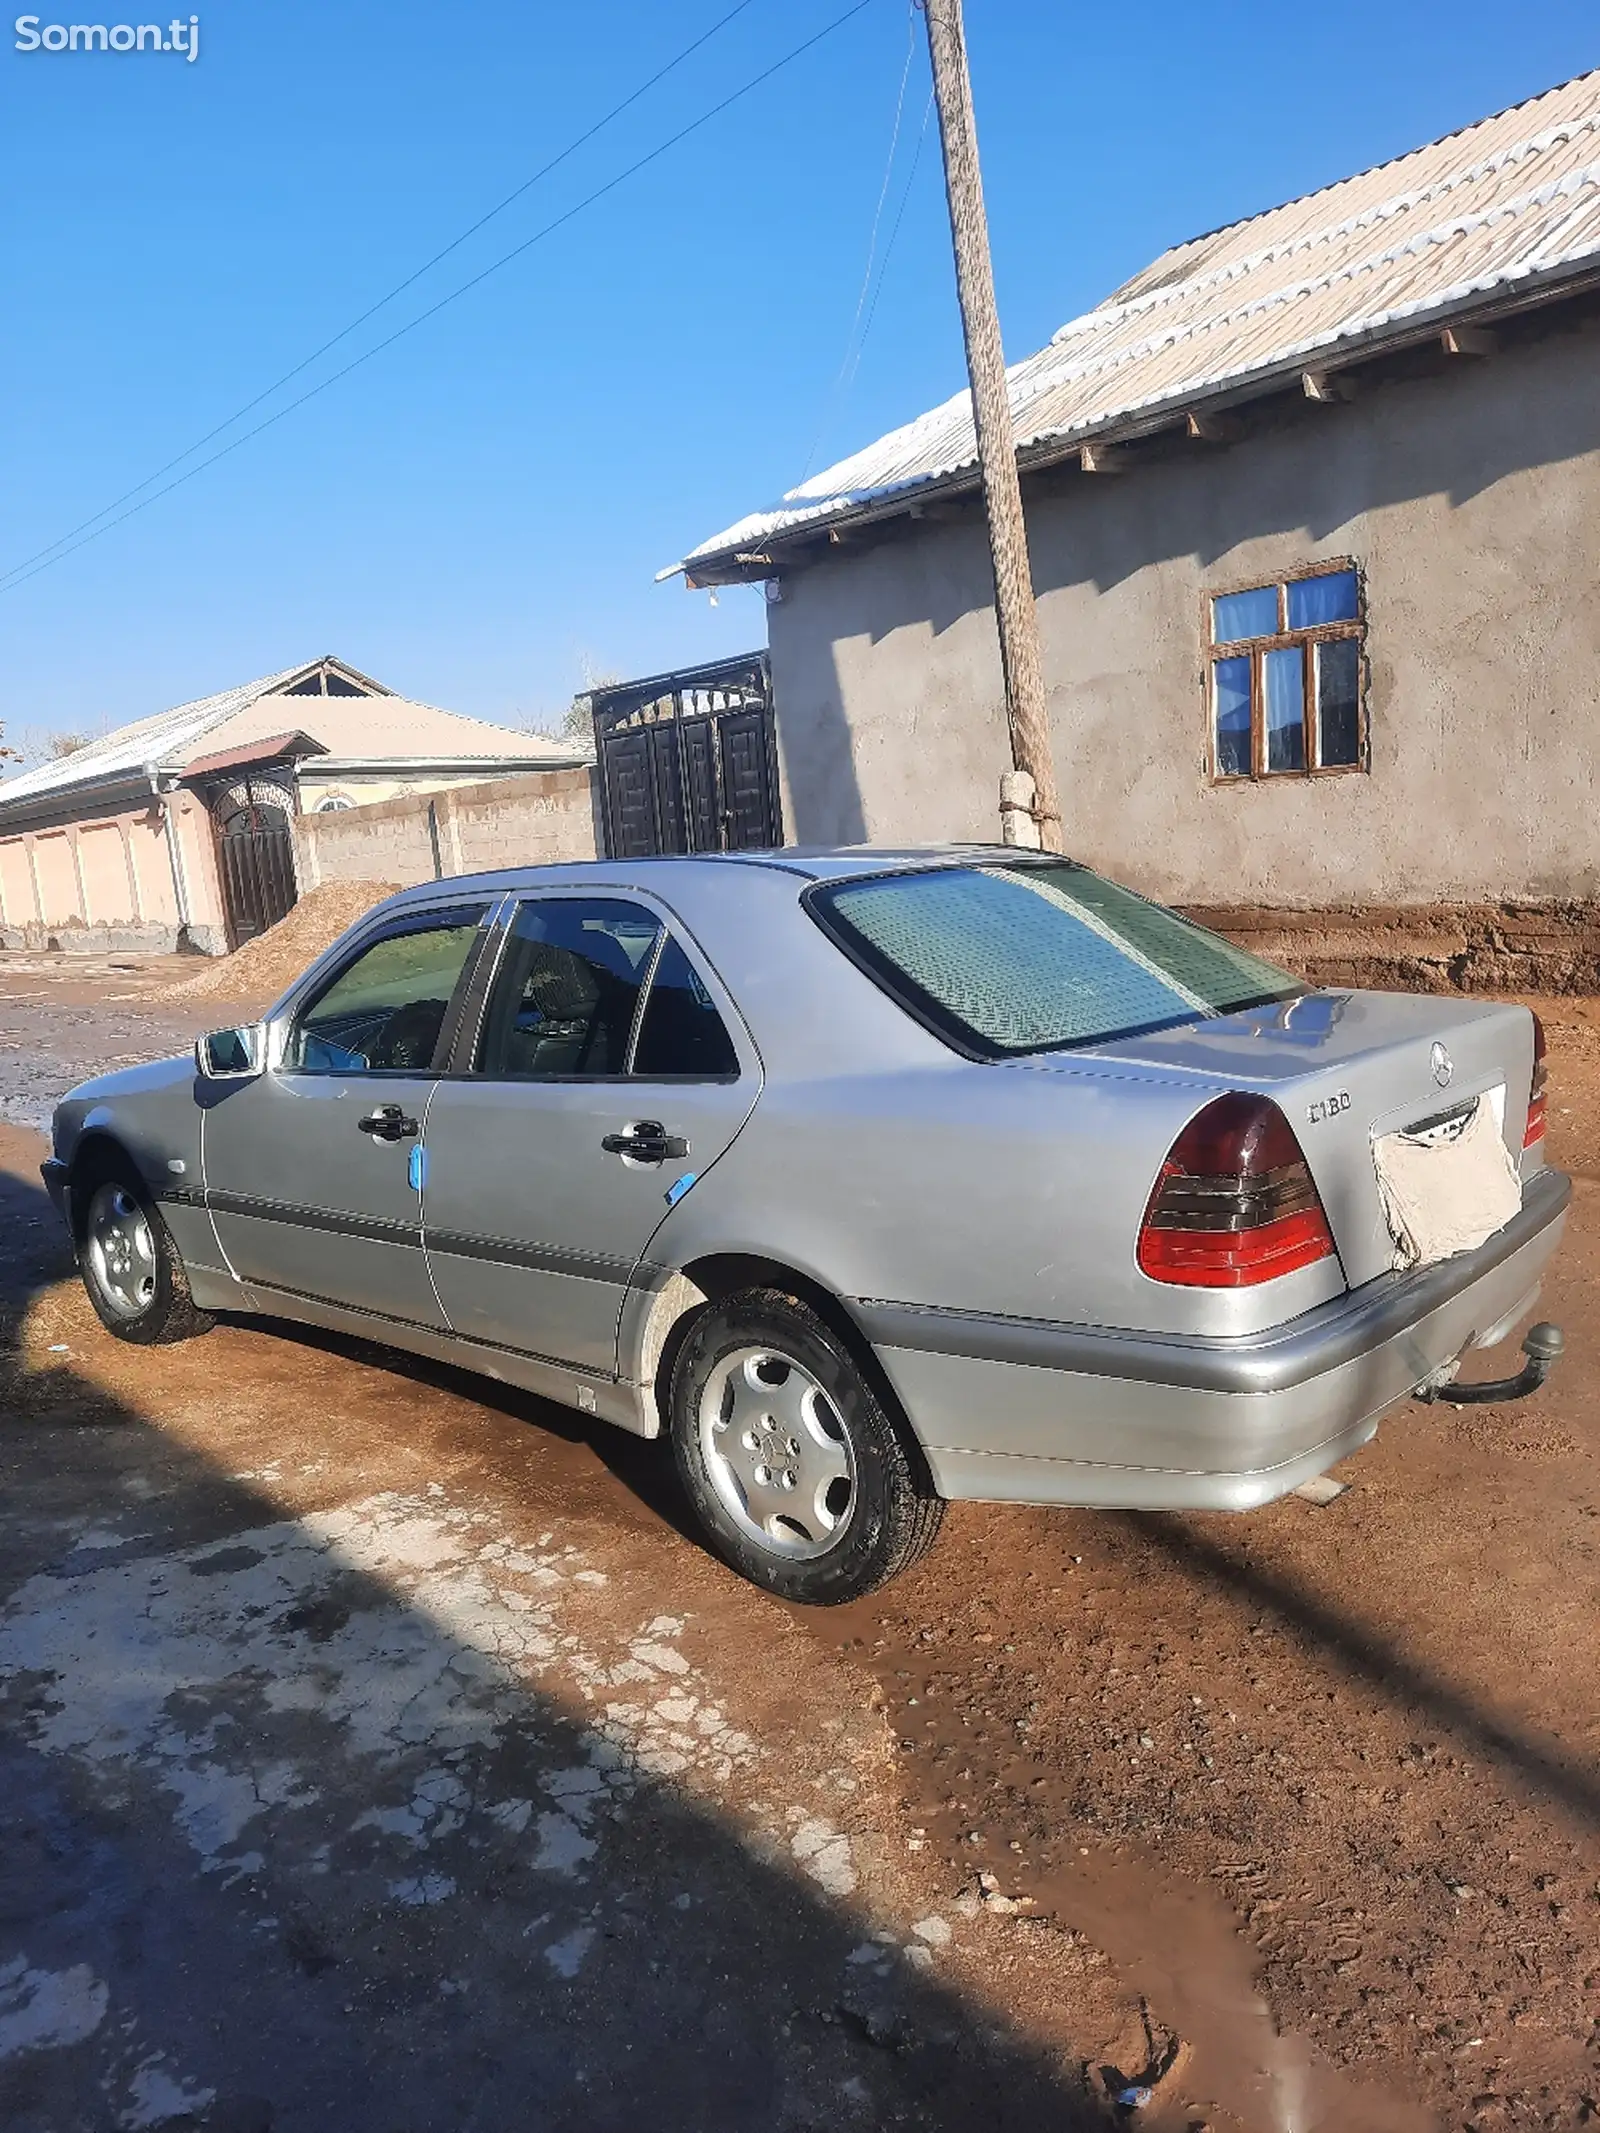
<point x="476" y="516"/>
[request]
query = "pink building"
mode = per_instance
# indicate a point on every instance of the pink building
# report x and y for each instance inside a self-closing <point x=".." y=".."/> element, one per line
<point x="177" y="830"/>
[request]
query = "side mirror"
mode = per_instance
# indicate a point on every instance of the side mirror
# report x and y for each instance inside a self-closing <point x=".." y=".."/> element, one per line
<point x="232" y="1054"/>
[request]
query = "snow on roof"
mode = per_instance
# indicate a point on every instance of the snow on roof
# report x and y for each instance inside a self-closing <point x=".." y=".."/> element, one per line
<point x="380" y="722"/>
<point x="1508" y="204"/>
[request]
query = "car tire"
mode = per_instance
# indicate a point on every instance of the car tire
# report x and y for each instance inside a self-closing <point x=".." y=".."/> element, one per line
<point x="129" y="1264"/>
<point x="801" y="1479"/>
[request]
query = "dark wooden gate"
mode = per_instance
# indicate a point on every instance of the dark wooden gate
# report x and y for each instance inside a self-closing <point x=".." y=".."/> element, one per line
<point x="258" y="884"/>
<point x="689" y="761"/>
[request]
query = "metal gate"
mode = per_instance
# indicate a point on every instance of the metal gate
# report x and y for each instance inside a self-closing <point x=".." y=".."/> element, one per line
<point x="258" y="884"/>
<point x="689" y="761"/>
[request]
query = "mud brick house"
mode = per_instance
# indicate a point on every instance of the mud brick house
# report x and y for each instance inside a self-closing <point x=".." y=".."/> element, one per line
<point x="1314" y="511"/>
<point x="178" y="830"/>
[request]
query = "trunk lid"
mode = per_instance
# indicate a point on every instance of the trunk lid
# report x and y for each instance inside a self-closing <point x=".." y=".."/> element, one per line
<point x="1345" y="1068"/>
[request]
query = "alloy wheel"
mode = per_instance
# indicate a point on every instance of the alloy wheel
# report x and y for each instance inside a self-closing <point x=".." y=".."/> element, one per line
<point x="121" y="1251"/>
<point x="777" y="1452"/>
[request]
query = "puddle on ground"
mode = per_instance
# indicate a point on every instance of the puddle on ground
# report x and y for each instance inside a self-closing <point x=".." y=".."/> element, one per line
<point x="980" y="1796"/>
<point x="1176" y="1945"/>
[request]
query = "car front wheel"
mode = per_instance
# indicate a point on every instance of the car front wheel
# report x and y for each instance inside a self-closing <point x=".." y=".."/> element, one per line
<point x="800" y="1478"/>
<point x="131" y="1268"/>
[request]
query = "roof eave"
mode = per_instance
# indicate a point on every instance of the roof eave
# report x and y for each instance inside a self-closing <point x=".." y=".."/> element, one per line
<point x="275" y="748"/>
<point x="750" y="564"/>
<point x="332" y="766"/>
<point x="64" y="801"/>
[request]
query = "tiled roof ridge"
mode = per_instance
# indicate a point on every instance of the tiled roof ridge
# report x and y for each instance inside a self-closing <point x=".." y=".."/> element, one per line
<point x="144" y="743"/>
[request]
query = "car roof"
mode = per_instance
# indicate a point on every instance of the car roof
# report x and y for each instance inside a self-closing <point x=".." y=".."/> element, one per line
<point x="806" y="863"/>
<point x="732" y="905"/>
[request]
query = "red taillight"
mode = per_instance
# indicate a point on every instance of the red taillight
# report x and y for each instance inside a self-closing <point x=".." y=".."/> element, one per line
<point x="1235" y="1203"/>
<point x="1535" y="1126"/>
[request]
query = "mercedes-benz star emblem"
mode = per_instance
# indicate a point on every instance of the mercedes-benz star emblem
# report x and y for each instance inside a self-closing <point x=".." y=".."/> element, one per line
<point x="1443" y="1065"/>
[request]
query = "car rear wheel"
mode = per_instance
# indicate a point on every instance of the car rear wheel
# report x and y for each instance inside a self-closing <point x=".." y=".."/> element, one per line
<point x="131" y="1268"/>
<point x="800" y="1478"/>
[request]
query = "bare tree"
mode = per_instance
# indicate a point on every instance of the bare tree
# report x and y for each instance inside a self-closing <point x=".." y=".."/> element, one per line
<point x="577" y="721"/>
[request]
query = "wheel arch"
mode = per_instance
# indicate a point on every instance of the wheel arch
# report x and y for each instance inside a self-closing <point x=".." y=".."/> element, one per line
<point x="99" y="1154"/>
<point x="710" y="1280"/>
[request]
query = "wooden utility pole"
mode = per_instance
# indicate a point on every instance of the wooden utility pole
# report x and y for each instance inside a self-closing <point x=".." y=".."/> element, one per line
<point x="997" y="453"/>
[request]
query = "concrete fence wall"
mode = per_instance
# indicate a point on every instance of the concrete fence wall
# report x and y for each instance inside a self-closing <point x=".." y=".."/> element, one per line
<point x="505" y="822"/>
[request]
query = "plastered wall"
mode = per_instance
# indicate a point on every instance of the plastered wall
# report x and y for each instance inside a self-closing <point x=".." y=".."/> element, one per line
<point x="1470" y="501"/>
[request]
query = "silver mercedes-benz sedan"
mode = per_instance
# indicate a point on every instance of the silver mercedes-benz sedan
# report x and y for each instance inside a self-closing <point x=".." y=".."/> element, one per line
<point x="870" y="1178"/>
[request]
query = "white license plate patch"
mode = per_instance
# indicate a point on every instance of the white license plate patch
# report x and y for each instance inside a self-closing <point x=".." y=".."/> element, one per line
<point x="1448" y="1187"/>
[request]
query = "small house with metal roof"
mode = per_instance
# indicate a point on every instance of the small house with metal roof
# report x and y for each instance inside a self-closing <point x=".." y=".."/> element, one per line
<point x="176" y="831"/>
<point x="1313" y="508"/>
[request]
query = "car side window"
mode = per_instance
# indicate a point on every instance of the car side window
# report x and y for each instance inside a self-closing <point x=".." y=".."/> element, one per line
<point x="564" y="999"/>
<point x="681" y="1033"/>
<point x="384" y="1011"/>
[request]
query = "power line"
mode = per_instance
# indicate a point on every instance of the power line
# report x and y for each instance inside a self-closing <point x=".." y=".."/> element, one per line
<point x="18" y="569"/>
<point x="21" y="575"/>
<point x="872" y="242"/>
<point x="894" y="231"/>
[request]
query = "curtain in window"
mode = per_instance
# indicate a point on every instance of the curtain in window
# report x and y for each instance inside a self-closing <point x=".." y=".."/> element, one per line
<point x="1313" y="601"/>
<point x="1231" y="682"/>
<point x="1284" y="675"/>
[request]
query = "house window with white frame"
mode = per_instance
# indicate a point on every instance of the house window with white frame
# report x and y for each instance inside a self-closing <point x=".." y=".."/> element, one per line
<point x="1284" y="675"/>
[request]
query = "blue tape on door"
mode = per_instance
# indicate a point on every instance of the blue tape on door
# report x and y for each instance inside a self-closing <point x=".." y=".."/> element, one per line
<point x="682" y="1186"/>
<point x="417" y="1169"/>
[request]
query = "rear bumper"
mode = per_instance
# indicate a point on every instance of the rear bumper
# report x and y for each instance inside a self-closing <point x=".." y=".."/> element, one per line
<point x="1018" y="1410"/>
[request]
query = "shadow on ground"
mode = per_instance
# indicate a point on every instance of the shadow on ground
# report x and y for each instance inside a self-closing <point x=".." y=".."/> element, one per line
<point x="1360" y="1652"/>
<point x="294" y="1839"/>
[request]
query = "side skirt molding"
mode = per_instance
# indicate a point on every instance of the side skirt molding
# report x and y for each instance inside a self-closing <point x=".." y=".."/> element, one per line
<point x="612" y="1399"/>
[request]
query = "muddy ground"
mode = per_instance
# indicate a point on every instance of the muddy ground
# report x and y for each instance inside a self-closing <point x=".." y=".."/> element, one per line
<point x="381" y="1751"/>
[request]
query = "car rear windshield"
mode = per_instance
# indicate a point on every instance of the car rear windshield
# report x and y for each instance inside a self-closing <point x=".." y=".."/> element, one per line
<point x="1030" y="957"/>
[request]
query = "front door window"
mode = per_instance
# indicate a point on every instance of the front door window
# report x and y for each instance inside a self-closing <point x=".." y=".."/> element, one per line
<point x="385" y="1011"/>
<point x="314" y="1170"/>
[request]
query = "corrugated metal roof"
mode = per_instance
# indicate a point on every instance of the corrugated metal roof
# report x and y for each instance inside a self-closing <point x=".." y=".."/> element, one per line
<point x="167" y="742"/>
<point x="164" y="742"/>
<point x="1509" y="203"/>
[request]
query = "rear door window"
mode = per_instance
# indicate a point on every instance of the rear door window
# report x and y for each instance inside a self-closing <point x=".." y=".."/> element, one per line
<point x="1009" y="959"/>
<point x="682" y="1036"/>
<point x="566" y="995"/>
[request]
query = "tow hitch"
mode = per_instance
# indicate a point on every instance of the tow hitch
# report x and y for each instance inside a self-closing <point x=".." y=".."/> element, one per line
<point x="1541" y="1344"/>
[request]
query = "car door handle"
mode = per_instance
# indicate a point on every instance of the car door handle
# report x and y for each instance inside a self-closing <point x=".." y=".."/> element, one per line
<point x="647" y="1142"/>
<point x="389" y="1123"/>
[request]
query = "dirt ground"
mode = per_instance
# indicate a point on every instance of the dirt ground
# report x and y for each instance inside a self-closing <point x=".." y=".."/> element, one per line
<point x="381" y="1751"/>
